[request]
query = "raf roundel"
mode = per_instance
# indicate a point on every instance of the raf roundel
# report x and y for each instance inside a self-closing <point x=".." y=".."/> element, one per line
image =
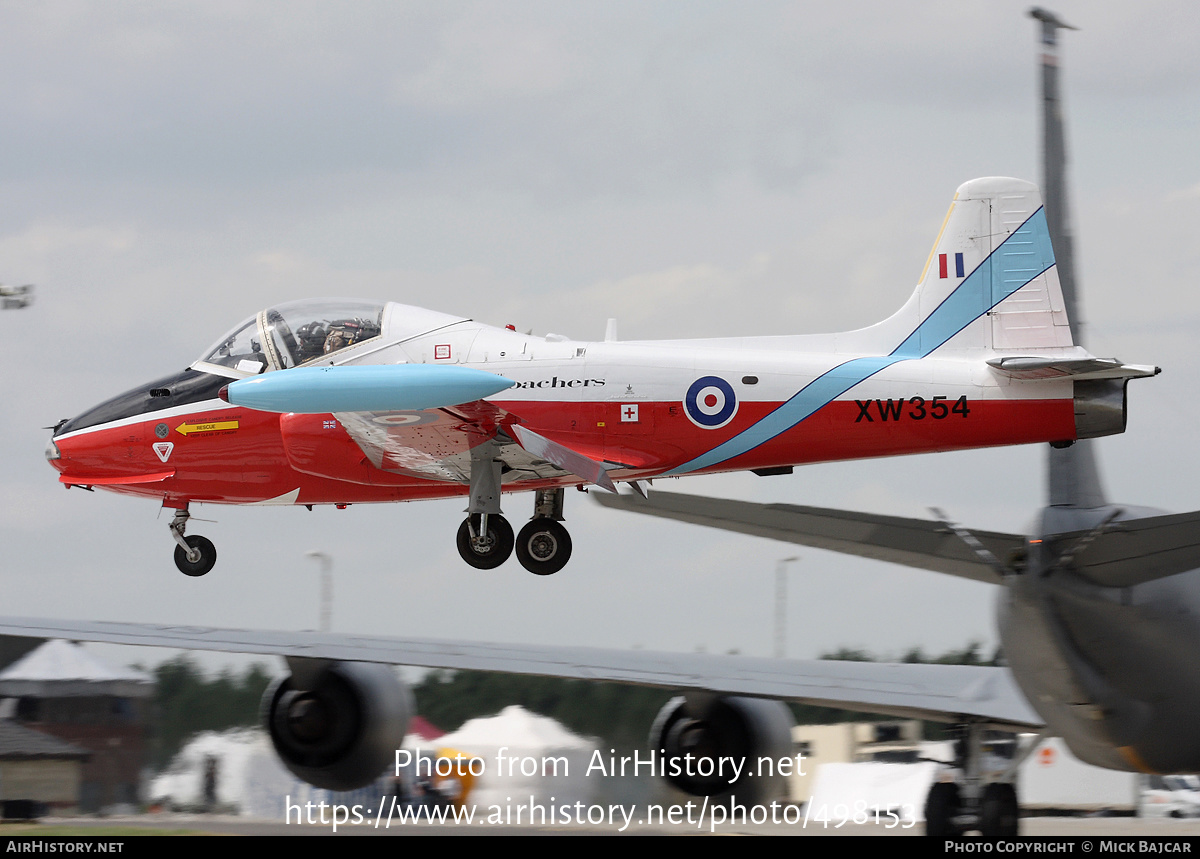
<point x="710" y="402"/>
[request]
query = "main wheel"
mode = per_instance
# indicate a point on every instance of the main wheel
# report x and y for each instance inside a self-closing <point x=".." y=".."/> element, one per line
<point x="543" y="546"/>
<point x="941" y="806"/>
<point x="999" y="814"/>
<point x="493" y="550"/>
<point x="208" y="556"/>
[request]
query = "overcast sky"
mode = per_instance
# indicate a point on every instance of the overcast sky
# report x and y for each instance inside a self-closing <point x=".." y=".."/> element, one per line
<point x="692" y="169"/>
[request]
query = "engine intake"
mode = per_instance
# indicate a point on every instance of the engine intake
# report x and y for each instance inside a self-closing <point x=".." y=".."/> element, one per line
<point x="736" y="730"/>
<point x="340" y="728"/>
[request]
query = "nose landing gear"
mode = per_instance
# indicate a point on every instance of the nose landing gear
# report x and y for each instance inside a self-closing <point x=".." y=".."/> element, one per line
<point x="195" y="555"/>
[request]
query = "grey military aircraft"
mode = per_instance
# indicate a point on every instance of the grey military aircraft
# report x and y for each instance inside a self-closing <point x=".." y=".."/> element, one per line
<point x="1099" y="615"/>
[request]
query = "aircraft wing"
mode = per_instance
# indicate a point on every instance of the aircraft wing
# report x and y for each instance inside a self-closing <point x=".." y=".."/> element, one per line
<point x="951" y="693"/>
<point x="437" y="443"/>
<point x="416" y="420"/>
<point x="921" y="543"/>
<point x="1139" y="550"/>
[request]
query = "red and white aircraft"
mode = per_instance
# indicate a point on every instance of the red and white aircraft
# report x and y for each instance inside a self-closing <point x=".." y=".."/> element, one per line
<point x="339" y="402"/>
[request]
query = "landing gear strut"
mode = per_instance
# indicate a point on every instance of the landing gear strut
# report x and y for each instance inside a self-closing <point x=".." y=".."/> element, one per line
<point x="544" y="546"/>
<point x="195" y="555"/>
<point x="952" y="809"/>
<point x="485" y="539"/>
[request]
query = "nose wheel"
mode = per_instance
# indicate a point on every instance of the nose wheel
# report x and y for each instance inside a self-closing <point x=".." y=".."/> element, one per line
<point x="485" y="540"/>
<point x="195" y="555"/>
<point x="199" y="558"/>
<point x="543" y="546"/>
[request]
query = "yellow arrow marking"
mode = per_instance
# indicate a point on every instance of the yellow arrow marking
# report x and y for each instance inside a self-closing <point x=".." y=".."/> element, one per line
<point x="185" y="428"/>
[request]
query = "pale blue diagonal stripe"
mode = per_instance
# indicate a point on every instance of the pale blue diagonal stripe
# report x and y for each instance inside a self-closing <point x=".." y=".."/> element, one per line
<point x="1023" y="256"/>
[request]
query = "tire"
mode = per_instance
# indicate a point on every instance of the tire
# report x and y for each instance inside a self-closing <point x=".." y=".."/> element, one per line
<point x="941" y="806"/>
<point x="999" y="814"/>
<point x="500" y="536"/>
<point x="543" y="546"/>
<point x="208" y="556"/>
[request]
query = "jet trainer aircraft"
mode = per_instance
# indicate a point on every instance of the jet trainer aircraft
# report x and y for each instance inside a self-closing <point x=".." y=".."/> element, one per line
<point x="339" y="402"/>
<point x="1098" y="611"/>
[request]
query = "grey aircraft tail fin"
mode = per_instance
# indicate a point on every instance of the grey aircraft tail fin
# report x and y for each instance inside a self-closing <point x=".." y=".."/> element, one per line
<point x="1072" y="473"/>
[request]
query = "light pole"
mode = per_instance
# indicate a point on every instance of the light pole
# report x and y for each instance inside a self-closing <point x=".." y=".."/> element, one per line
<point x="781" y="604"/>
<point x="326" y="587"/>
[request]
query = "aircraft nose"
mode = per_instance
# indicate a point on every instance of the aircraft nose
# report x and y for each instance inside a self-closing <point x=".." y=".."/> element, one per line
<point x="52" y="452"/>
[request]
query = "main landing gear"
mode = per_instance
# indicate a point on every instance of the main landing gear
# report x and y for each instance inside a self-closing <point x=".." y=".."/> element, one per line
<point x="195" y="555"/>
<point x="485" y="539"/>
<point x="954" y="808"/>
<point x="544" y="546"/>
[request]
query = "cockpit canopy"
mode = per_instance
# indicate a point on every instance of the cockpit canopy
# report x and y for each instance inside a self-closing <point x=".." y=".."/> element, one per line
<point x="292" y="334"/>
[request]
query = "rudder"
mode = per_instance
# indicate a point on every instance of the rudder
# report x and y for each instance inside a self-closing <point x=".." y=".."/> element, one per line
<point x="990" y="282"/>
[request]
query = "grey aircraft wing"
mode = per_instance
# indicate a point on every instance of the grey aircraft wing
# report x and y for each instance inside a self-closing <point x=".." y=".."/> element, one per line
<point x="921" y="543"/>
<point x="952" y="693"/>
<point x="1133" y="551"/>
<point x="1123" y="554"/>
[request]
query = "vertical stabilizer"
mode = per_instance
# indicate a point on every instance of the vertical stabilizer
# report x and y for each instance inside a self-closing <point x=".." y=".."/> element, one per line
<point x="1073" y="475"/>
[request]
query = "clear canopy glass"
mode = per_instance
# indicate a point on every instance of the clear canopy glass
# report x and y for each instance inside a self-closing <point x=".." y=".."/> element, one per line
<point x="296" y="333"/>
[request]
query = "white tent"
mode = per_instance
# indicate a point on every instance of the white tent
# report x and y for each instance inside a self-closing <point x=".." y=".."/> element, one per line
<point x="59" y="669"/>
<point x="526" y="758"/>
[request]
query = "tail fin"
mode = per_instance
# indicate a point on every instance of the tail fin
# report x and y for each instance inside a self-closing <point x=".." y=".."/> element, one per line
<point x="991" y="282"/>
<point x="1073" y="476"/>
<point x="990" y="285"/>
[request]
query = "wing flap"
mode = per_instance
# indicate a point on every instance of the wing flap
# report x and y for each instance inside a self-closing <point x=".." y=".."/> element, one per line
<point x="568" y="460"/>
<point x="919" y="543"/>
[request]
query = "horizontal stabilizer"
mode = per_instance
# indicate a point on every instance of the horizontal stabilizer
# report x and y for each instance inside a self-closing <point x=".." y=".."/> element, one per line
<point x="919" y="543"/>
<point x="947" y="693"/>
<point x="1077" y="368"/>
<point x="1133" y="551"/>
<point x="568" y="460"/>
<point x="372" y="388"/>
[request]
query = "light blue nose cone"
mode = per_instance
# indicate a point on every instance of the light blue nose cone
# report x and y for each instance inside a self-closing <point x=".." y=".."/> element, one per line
<point x="374" y="388"/>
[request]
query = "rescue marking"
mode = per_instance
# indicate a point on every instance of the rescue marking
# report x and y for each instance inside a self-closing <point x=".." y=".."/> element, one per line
<point x="188" y="428"/>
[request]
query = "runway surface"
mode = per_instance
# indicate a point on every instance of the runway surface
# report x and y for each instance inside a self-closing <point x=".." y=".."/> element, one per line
<point x="1098" y="827"/>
